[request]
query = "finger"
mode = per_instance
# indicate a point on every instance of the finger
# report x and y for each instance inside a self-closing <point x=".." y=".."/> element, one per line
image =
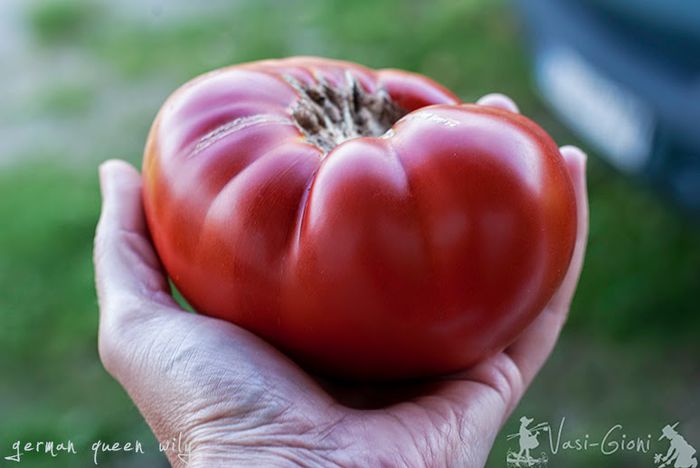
<point x="500" y="101"/>
<point x="576" y="163"/>
<point x="125" y="264"/>
<point x="120" y="185"/>
<point x="533" y="347"/>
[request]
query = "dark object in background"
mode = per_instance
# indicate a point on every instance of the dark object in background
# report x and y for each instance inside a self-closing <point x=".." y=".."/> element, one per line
<point x="625" y="75"/>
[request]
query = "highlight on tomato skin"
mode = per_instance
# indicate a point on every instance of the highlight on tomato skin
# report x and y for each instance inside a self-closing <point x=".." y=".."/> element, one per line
<point x="367" y="223"/>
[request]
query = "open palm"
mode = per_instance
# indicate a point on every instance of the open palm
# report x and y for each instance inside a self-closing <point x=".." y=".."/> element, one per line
<point x="237" y="401"/>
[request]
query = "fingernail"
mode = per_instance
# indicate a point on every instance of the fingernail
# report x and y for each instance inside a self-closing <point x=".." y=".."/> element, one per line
<point x="576" y="152"/>
<point x="103" y="174"/>
<point x="500" y="101"/>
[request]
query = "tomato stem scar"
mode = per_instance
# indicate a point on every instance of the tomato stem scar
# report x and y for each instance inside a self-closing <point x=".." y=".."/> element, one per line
<point x="329" y="115"/>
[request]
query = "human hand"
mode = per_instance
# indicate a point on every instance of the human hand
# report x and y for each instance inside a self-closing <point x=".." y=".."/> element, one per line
<point x="236" y="400"/>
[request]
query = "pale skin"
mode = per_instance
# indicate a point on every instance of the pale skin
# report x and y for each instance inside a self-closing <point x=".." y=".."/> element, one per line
<point x="237" y="401"/>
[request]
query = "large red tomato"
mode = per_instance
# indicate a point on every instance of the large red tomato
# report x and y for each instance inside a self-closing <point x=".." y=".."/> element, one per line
<point x="365" y="222"/>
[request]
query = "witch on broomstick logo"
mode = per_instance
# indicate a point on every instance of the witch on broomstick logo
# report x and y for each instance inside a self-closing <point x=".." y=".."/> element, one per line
<point x="680" y="454"/>
<point x="527" y="438"/>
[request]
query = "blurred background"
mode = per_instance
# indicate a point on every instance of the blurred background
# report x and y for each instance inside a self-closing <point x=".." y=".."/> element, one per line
<point x="81" y="82"/>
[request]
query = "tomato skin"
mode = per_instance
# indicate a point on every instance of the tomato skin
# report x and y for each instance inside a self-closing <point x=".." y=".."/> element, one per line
<point x="416" y="253"/>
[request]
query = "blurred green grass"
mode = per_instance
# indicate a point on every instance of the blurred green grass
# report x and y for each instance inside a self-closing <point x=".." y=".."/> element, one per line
<point x="635" y="308"/>
<point x="55" y="21"/>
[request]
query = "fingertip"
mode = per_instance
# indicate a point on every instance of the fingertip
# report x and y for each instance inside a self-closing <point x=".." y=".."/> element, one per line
<point x="500" y="101"/>
<point x="576" y="161"/>
<point x="115" y="173"/>
<point x="114" y="168"/>
<point x="120" y="185"/>
<point x="574" y="154"/>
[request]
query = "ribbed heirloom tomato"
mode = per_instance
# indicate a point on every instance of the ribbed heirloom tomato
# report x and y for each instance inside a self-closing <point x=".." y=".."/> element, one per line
<point x="365" y="222"/>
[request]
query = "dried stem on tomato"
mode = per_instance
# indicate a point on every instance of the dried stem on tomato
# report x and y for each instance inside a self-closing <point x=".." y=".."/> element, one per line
<point x="329" y="115"/>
